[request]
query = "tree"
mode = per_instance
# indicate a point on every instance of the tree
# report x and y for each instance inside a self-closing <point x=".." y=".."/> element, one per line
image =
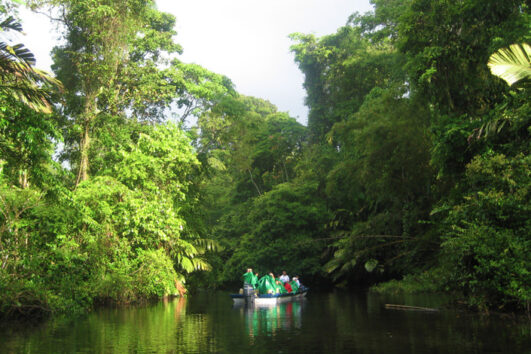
<point x="486" y="246"/>
<point x="380" y="188"/>
<point x="27" y="142"/>
<point x="98" y="38"/>
<point x="447" y="45"/>
<point x="197" y="88"/>
<point x="340" y="70"/>
<point x="283" y="226"/>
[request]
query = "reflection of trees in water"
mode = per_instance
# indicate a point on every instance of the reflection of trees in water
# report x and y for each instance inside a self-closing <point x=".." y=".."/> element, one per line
<point x="336" y="322"/>
<point x="164" y="327"/>
<point x="260" y="320"/>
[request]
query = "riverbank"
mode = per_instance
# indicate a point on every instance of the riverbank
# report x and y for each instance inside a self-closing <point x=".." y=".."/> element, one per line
<point x="432" y="282"/>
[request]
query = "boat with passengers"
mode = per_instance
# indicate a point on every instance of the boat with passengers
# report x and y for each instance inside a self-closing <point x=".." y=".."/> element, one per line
<point x="269" y="290"/>
<point x="268" y="299"/>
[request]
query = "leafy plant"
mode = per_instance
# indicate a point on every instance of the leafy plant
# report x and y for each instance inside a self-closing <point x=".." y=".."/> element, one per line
<point x="512" y="64"/>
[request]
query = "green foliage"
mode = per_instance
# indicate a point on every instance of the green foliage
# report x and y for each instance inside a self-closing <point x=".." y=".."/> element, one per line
<point x="155" y="276"/>
<point x="385" y="164"/>
<point x="447" y="45"/>
<point x="404" y="97"/>
<point x="285" y="225"/>
<point x="118" y="239"/>
<point x="425" y="282"/>
<point x="414" y="165"/>
<point x="198" y="88"/>
<point x="487" y="240"/>
<point x="20" y="79"/>
<point x="512" y="64"/>
<point x="340" y="70"/>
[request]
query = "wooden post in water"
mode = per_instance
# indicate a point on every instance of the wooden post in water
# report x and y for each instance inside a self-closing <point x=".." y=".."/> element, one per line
<point x="409" y="308"/>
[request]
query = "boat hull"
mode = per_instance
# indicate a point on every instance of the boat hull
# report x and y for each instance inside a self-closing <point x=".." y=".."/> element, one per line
<point x="268" y="299"/>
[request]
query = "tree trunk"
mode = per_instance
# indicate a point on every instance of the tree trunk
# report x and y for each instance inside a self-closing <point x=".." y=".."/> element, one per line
<point x="84" y="148"/>
<point x="254" y="183"/>
<point x="89" y="113"/>
<point x="23" y="179"/>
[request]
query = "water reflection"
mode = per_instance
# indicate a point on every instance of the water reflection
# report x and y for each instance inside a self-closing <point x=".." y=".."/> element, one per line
<point x="163" y="327"/>
<point x="268" y="320"/>
<point x="338" y="322"/>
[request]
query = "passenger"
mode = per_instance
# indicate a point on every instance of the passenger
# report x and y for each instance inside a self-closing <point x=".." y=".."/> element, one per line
<point x="266" y="284"/>
<point x="288" y="287"/>
<point x="296" y="278"/>
<point x="284" y="278"/>
<point x="280" y="285"/>
<point x="249" y="282"/>
<point x="294" y="285"/>
<point x="255" y="280"/>
<point x="273" y="281"/>
<point x="280" y="288"/>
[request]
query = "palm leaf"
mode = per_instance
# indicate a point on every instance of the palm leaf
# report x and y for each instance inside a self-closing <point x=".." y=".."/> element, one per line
<point x="10" y="24"/>
<point x="18" y="78"/>
<point x="200" y="264"/>
<point x="186" y="264"/>
<point x="205" y="244"/>
<point x="512" y="64"/>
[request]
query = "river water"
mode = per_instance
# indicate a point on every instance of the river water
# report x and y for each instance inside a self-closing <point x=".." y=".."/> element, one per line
<point x="336" y="322"/>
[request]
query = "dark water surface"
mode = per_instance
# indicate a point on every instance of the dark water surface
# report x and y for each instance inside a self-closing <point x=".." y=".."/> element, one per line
<point x="335" y="322"/>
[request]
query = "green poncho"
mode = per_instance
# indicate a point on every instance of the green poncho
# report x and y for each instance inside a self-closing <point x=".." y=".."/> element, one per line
<point x="250" y="279"/>
<point x="254" y="281"/>
<point x="280" y="287"/>
<point x="266" y="285"/>
<point x="294" y="286"/>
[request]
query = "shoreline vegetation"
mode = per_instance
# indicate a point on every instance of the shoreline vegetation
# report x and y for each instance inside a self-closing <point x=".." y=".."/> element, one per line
<point x="414" y="165"/>
<point x="410" y="284"/>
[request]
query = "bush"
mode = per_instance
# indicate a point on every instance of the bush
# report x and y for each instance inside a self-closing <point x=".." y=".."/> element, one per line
<point x="486" y="251"/>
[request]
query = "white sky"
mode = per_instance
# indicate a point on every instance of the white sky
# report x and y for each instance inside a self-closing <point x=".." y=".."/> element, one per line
<point x="246" y="40"/>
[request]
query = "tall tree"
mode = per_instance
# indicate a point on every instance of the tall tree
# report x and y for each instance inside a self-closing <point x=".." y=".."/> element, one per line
<point x="98" y="37"/>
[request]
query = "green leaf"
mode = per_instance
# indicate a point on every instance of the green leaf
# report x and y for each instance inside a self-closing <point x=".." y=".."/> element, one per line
<point x="371" y="264"/>
<point x="512" y="64"/>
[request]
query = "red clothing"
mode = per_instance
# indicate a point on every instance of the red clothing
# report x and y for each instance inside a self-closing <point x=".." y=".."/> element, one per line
<point x="288" y="287"/>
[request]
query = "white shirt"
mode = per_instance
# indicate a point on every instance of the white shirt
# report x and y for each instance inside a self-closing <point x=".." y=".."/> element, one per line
<point x="284" y="278"/>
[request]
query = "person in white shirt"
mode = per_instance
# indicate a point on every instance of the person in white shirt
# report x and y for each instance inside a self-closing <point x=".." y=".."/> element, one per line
<point x="297" y="281"/>
<point x="284" y="277"/>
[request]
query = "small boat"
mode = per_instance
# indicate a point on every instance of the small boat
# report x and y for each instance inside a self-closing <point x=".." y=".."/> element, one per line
<point x="268" y="299"/>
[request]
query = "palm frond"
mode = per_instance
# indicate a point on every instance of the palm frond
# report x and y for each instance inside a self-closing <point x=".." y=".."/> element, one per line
<point x="512" y="64"/>
<point x="201" y="264"/>
<point x="18" y="78"/>
<point x="205" y="244"/>
<point x="186" y="264"/>
<point x="10" y="24"/>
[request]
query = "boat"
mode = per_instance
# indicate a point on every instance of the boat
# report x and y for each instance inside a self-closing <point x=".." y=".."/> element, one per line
<point x="268" y="299"/>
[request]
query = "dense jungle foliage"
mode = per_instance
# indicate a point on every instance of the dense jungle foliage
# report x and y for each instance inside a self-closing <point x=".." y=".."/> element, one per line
<point x="414" y="164"/>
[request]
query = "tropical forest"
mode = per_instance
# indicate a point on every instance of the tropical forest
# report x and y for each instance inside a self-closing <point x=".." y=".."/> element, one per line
<point x="128" y="174"/>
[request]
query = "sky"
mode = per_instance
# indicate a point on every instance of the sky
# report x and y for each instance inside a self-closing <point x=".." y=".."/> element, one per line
<point x="246" y="40"/>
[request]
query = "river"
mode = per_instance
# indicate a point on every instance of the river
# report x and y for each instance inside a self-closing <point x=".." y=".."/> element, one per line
<point x="335" y="322"/>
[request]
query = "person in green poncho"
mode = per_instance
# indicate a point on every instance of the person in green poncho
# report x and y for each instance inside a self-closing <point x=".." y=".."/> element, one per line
<point x="294" y="285"/>
<point x="267" y="284"/>
<point x="249" y="282"/>
<point x="280" y="287"/>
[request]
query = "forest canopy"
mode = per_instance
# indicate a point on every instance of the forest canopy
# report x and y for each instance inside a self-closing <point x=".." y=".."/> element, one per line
<point x="414" y="164"/>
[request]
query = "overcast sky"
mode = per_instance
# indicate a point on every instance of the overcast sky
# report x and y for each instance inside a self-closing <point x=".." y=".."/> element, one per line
<point x="246" y="40"/>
